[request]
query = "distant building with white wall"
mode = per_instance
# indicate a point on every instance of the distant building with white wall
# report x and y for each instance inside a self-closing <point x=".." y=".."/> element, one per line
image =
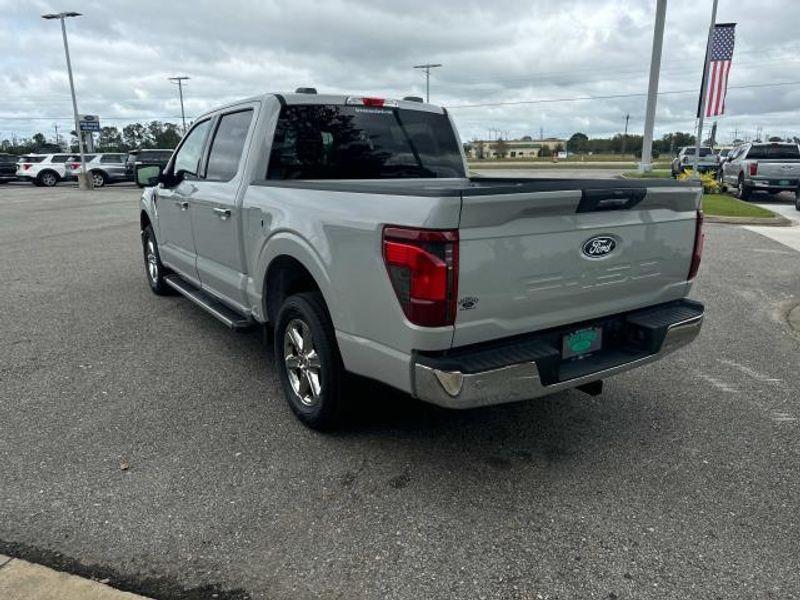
<point x="522" y="148"/>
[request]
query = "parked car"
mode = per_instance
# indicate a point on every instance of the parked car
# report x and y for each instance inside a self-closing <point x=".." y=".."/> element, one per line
<point x="706" y="161"/>
<point x="771" y="167"/>
<point x="351" y="227"/>
<point x="43" y="169"/>
<point x="103" y="168"/>
<point x="8" y="167"/>
<point x="158" y="156"/>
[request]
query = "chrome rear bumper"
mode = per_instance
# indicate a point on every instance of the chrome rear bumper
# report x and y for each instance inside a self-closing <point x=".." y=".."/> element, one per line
<point x="522" y="381"/>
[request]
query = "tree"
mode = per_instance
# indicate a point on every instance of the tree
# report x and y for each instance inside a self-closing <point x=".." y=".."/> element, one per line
<point x="133" y="136"/>
<point x="578" y="143"/>
<point x="545" y="151"/>
<point x="480" y="150"/>
<point x="110" y="140"/>
<point x="775" y="138"/>
<point x="500" y="148"/>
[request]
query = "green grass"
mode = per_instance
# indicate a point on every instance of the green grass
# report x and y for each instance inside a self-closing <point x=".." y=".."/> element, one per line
<point x="654" y="174"/>
<point x="722" y="205"/>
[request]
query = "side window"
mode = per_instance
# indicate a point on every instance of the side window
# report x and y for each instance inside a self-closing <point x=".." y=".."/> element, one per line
<point x="111" y="159"/>
<point x="188" y="156"/>
<point x="226" y="149"/>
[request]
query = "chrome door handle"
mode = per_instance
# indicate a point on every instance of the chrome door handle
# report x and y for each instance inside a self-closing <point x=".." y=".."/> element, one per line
<point x="223" y="213"/>
<point x="183" y="204"/>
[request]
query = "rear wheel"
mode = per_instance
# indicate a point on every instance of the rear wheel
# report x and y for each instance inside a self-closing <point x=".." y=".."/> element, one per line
<point x="48" y="179"/>
<point x="98" y="179"/>
<point x="308" y="362"/>
<point x="743" y="191"/>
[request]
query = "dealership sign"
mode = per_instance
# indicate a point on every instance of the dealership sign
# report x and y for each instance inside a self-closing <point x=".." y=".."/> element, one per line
<point x="89" y="122"/>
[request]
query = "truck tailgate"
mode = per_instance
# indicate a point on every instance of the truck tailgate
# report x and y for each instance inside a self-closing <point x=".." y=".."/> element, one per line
<point x="540" y="259"/>
<point x="778" y="169"/>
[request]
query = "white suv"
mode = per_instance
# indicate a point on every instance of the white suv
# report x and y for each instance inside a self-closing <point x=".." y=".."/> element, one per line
<point x="43" y="169"/>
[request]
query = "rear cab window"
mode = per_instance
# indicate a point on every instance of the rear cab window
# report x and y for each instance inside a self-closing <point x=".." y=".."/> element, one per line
<point x="775" y="152"/>
<point x="360" y="142"/>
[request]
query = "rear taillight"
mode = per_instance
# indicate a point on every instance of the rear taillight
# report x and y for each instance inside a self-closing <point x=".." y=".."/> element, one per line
<point x="753" y="169"/>
<point x="699" y="240"/>
<point x="74" y="166"/>
<point x="423" y="268"/>
<point x="26" y="166"/>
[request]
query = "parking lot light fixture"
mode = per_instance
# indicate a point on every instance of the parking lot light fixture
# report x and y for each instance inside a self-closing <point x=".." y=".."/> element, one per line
<point x="83" y="180"/>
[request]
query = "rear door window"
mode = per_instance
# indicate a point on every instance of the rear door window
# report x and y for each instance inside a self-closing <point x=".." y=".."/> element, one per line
<point x="60" y="158"/>
<point x="226" y="149"/>
<point x="775" y="152"/>
<point x="111" y="159"/>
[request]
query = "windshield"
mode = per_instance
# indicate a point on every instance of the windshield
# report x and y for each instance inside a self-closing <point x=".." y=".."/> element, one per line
<point x="775" y="151"/>
<point x="356" y="142"/>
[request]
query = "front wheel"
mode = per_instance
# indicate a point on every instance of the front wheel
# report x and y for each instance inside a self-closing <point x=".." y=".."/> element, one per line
<point x="154" y="270"/>
<point x="308" y="362"/>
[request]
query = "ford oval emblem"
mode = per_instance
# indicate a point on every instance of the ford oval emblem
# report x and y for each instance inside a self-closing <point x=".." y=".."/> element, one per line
<point x="599" y="247"/>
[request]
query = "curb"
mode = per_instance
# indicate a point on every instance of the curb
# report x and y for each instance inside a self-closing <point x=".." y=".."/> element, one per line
<point x="776" y="221"/>
<point x="22" y="580"/>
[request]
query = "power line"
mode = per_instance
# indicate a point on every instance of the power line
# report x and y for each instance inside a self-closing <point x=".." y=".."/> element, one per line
<point x="616" y="96"/>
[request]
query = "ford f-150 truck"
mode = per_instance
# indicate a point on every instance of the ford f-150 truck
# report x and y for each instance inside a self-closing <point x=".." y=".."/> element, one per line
<point x="351" y="227"/>
<point x="771" y="167"/>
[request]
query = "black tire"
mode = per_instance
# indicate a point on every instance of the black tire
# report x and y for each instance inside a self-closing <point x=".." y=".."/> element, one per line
<point x="319" y="408"/>
<point x="797" y="199"/>
<point x="48" y="179"/>
<point x="37" y="183"/>
<point x="743" y="192"/>
<point x="153" y="269"/>
<point x="98" y="178"/>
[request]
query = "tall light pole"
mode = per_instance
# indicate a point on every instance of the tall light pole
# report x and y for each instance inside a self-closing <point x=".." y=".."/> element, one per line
<point x="179" y="80"/>
<point x="427" y="67"/>
<point x="652" y="88"/>
<point x="83" y="180"/>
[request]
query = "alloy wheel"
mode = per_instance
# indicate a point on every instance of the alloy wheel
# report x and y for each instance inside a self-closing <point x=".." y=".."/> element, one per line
<point x="302" y="362"/>
<point x="151" y="260"/>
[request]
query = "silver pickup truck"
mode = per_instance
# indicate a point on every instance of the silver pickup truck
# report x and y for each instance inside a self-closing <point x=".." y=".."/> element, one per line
<point x="771" y="167"/>
<point x="350" y="226"/>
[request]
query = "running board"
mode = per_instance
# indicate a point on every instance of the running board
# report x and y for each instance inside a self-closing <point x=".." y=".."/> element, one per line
<point x="211" y="305"/>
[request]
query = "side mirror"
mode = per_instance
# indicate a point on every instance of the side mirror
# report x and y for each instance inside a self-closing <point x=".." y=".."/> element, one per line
<point x="148" y="175"/>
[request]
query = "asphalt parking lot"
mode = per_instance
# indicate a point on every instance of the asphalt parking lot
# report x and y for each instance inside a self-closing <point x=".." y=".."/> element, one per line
<point x="143" y="442"/>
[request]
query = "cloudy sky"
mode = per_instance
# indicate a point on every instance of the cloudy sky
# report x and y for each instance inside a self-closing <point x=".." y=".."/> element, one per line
<point x="545" y="53"/>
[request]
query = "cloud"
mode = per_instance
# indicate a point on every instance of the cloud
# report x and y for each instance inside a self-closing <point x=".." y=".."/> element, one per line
<point x="492" y="52"/>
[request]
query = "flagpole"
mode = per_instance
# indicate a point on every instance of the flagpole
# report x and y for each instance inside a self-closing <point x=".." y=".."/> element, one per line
<point x="703" y="86"/>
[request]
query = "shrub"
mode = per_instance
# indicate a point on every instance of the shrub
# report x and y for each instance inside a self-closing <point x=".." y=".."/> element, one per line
<point x="708" y="180"/>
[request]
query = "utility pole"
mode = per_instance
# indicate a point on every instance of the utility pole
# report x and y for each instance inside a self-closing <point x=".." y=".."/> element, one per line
<point x="83" y="180"/>
<point x="625" y="136"/>
<point x="699" y="139"/>
<point x="541" y="133"/>
<point x="652" y="88"/>
<point x="179" y="80"/>
<point x="427" y="67"/>
<point x="55" y="126"/>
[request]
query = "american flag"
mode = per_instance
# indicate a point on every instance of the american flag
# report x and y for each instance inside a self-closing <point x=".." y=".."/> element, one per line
<point x="719" y="66"/>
